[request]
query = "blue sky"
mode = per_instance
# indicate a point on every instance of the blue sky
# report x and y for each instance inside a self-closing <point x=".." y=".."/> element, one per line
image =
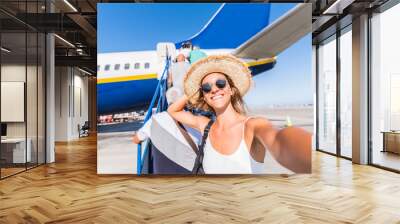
<point x="133" y="27"/>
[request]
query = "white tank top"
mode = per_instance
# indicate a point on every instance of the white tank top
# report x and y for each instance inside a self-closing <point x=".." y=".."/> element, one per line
<point x="239" y="162"/>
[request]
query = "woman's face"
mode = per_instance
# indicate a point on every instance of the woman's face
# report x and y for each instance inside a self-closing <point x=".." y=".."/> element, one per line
<point x="218" y="97"/>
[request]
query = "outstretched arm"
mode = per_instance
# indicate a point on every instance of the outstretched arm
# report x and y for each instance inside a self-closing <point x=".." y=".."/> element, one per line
<point x="176" y="111"/>
<point x="290" y="146"/>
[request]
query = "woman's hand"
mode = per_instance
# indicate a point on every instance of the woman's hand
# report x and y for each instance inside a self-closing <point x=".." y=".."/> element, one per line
<point x="290" y="146"/>
<point x="294" y="146"/>
<point x="136" y="139"/>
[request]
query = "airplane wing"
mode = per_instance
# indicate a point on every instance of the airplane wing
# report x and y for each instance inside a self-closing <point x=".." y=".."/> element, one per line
<point x="279" y="35"/>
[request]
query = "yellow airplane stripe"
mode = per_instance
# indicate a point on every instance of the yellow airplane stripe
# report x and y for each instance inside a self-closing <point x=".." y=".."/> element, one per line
<point x="127" y="78"/>
<point x="261" y="61"/>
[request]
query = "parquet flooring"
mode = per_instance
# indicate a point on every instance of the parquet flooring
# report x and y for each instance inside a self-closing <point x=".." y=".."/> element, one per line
<point x="10" y="171"/>
<point x="70" y="191"/>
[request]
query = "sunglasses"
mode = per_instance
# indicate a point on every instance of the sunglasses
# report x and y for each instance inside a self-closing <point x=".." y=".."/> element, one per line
<point x="207" y="87"/>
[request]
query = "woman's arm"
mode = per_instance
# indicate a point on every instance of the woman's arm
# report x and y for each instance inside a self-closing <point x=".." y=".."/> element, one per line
<point x="291" y="146"/>
<point x="143" y="133"/>
<point x="176" y="111"/>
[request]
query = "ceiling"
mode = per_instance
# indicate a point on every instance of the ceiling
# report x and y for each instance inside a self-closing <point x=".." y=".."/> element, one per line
<point x="75" y="21"/>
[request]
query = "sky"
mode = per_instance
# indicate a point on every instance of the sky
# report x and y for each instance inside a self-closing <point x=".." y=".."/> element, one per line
<point x="135" y="27"/>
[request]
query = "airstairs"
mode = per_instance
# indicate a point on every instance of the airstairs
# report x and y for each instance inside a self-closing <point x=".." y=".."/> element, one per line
<point x="158" y="104"/>
<point x="168" y="150"/>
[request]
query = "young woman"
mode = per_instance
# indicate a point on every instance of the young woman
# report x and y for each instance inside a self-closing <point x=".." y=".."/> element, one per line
<point x="236" y="143"/>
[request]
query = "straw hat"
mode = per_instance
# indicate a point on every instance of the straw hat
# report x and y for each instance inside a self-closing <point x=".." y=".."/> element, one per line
<point x="229" y="65"/>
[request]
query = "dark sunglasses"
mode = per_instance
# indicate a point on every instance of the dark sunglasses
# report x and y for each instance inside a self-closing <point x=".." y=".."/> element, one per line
<point x="207" y="87"/>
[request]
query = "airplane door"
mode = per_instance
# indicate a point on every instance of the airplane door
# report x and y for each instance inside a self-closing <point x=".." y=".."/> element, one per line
<point x="163" y="50"/>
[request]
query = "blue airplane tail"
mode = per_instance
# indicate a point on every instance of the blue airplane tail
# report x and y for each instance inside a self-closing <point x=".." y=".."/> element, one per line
<point x="231" y="25"/>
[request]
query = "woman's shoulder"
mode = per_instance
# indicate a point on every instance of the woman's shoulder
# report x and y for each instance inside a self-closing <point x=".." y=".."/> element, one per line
<point x="257" y="121"/>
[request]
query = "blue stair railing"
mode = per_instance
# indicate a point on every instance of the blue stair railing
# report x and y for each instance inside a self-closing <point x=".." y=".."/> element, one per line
<point x="160" y="97"/>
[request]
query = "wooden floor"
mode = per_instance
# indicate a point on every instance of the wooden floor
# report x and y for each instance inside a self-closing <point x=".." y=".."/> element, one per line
<point x="5" y="172"/>
<point x="70" y="191"/>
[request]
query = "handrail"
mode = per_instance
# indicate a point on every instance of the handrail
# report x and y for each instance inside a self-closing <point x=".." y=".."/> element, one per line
<point x="160" y="94"/>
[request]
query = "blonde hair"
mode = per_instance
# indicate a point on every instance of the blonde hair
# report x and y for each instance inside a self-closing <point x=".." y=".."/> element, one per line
<point x="236" y="99"/>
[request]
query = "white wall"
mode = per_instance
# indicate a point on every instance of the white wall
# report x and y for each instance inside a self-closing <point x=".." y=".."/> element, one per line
<point x="33" y="126"/>
<point x="12" y="73"/>
<point x="62" y="81"/>
<point x="80" y="110"/>
<point x="71" y="94"/>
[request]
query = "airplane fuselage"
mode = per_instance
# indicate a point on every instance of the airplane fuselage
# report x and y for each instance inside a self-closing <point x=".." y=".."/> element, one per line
<point x="127" y="80"/>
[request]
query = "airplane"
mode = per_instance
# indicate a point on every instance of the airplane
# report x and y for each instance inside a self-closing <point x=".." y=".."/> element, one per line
<point x="126" y="81"/>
